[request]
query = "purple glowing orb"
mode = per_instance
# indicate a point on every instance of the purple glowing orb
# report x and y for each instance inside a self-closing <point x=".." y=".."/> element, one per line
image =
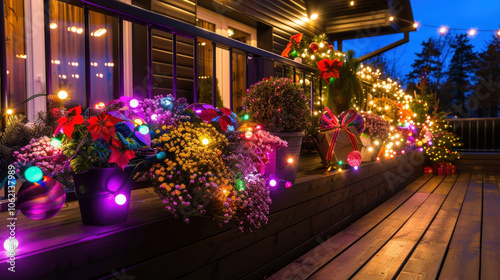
<point x="272" y="183"/>
<point x="120" y="199"/>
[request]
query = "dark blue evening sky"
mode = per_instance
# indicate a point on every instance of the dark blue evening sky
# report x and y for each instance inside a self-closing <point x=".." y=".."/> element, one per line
<point x="480" y="14"/>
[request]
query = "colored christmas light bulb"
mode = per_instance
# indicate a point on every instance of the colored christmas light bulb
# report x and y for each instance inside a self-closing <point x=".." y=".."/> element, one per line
<point x="120" y="199"/>
<point x="272" y="183"/>
<point x="33" y="174"/>
<point x="205" y="141"/>
<point x="144" y="129"/>
<point x="62" y="94"/>
<point x="134" y="103"/>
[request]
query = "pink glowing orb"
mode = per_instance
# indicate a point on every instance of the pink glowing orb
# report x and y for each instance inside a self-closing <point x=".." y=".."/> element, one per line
<point x="154" y="117"/>
<point x="272" y="183"/>
<point x="356" y="168"/>
<point x="403" y="151"/>
<point x="134" y="103"/>
<point x="120" y="199"/>
<point x="354" y="158"/>
<point x="288" y="185"/>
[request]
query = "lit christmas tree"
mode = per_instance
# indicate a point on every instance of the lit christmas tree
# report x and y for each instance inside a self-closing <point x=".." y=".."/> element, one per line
<point x="437" y="141"/>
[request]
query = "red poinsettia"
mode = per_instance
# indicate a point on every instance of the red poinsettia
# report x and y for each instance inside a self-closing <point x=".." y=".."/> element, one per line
<point x="329" y="68"/>
<point x="294" y="40"/>
<point x="103" y="126"/>
<point x="223" y="114"/>
<point x="120" y="154"/>
<point x="68" y="123"/>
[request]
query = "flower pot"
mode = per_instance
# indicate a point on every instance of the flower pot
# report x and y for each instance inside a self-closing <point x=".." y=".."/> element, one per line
<point x="278" y="167"/>
<point x="95" y="190"/>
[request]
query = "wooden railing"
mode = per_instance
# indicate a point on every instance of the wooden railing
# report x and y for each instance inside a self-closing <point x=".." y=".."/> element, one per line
<point x="478" y="134"/>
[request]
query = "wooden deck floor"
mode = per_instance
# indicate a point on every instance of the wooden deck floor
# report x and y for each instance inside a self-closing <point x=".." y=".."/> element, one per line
<point x="436" y="228"/>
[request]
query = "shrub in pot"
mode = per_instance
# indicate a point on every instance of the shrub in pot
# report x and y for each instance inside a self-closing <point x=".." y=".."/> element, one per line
<point x="377" y="129"/>
<point x="281" y="107"/>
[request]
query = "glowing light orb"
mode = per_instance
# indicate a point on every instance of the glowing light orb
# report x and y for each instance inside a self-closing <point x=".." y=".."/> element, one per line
<point x="288" y="185"/>
<point x="376" y="143"/>
<point x="62" y="94"/>
<point x="134" y="103"/>
<point x="248" y="134"/>
<point x="138" y="122"/>
<point x="10" y="244"/>
<point x="341" y="162"/>
<point x="100" y="105"/>
<point x="258" y="127"/>
<point x="290" y="160"/>
<point x="356" y="168"/>
<point x="10" y="112"/>
<point x="340" y="169"/>
<point x="154" y="117"/>
<point x="272" y="183"/>
<point x="205" y="141"/>
<point x="33" y="174"/>
<point x="55" y="142"/>
<point x="120" y="199"/>
<point x="144" y="129"/>
<point x="377" y="158"/>
<point x="354" y="158"/>
<point x="370" y="149"/>
<point x="403" y="151"/>
<point x="246" y="117"/>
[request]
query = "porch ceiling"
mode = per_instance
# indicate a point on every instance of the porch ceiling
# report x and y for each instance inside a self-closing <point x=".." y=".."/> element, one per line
<point x="366" y="18"/>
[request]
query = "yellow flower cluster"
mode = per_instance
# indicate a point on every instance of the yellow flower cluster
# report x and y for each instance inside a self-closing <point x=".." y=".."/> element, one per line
<point x="195" y="163"/>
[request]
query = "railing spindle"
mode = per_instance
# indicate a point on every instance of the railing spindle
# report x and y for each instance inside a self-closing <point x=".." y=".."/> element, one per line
<point x="195" y="69"/>
<point x="121" y="81"/>
<point x="214" y="74"/>
<point x="294" y="79"/>
<point x="174" y="64"/>
<point x="88" y="91"/>
<point x="231" y="78"/>
<point x="312" y="94"/>
<point x="150" y="59"/>
<point x="477" y="135"/>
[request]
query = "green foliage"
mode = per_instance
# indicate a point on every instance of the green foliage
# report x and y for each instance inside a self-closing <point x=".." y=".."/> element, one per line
<point x="18" y="132"/>
<point x="346" y="91"/>
<point x="205" y="94"/>
<point x="279" y="105"/>
<point x="443" y="141"/>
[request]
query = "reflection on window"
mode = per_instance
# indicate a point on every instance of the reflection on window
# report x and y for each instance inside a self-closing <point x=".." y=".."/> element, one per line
<point x="239" y="66"/>
<point x="205" y="66"/>
<point x="67" y="38"/>
<point x="16" y="54"/>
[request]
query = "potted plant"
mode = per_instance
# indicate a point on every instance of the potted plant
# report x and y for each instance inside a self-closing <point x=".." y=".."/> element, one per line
<point x="102" y="145"/>
<point x="282" y="108"/>
<point x="377" y="129"/>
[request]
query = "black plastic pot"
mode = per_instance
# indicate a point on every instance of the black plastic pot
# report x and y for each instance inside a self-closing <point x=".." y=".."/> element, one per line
<point x="96" y="189"/>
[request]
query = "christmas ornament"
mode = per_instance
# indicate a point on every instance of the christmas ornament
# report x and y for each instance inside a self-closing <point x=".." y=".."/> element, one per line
<point x="41" y="200"/>
<point x="314" y="47"/>
<point x="298" y="59"/>
<point x="354" y="158"/>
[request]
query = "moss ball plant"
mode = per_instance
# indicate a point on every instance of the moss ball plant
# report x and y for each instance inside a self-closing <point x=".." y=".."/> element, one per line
<point x="278" y="105"/>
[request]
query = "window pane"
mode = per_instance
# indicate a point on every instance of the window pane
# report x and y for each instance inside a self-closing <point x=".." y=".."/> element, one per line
<point x="102" y="60"/>
<point x="239" y="66"/>
<point x="16" y="54"/>
<point x="205" y="67"/>
<point x="68" y="52"/>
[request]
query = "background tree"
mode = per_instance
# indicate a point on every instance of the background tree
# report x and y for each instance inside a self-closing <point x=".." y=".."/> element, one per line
<point x="487" y="89"/>
<point x="461" y="69"/>
<point x="427" y="64"/>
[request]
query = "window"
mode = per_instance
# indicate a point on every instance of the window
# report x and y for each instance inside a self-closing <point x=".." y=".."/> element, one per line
<point x="68" y="54"/>
<point x="16" y="55"/>
<point x="227" y="27"/>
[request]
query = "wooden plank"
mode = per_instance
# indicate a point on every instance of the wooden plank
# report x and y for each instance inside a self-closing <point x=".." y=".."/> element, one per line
<point x="387" y="262"/>
<point x="490" y="241"/>
<point x="426" y="259"/>
<point x="317" y="257"/>
<point x="463" y="256"/>
<point x="347" y="263"/>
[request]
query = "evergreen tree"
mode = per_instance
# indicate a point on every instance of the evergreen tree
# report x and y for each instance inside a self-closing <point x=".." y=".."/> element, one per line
<point x="440" y="141"/>
<point x="427" y="64"/>
<point x="487" y="90"/>
<point x="461" y="69"/>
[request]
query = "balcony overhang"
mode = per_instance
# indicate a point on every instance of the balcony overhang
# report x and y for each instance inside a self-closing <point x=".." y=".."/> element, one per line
<point x="366" y="18"/>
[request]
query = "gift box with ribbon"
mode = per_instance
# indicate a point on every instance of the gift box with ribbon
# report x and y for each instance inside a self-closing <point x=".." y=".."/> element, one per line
<point x="337" y="138"/>
<point x="428" y="170"/>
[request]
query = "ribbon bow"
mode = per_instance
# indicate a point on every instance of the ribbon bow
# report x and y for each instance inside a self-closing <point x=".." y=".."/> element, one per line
<point x="329" y="121"/>
<point x="295" y="39"/>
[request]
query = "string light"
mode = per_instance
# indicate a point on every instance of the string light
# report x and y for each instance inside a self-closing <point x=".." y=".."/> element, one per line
<point x="391" y="18"/>
<point x="120" y="199"/>
<point x="205" y="141"/>
<point x="352" y="3"/>
<point x="472" y="32"/>
<point x="10" y="112"/>
<point x="290" y="160"/>
<point x="314" y="16"/>
<point x="62" y="94"/>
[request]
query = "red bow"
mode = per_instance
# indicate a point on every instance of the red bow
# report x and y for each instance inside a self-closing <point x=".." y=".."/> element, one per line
<point x="295" y="39"/>
<point x="329" y="121"/>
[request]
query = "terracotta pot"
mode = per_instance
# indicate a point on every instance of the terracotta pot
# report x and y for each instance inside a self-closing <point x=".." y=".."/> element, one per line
<point x="278" y="167"/>
<point x="95" y="190"/>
